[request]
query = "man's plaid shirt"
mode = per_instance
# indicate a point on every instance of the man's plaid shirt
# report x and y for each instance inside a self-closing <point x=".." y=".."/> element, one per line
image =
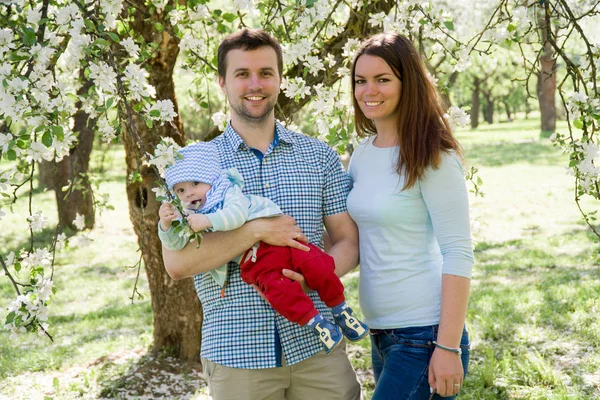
<point x="305" y="178"/>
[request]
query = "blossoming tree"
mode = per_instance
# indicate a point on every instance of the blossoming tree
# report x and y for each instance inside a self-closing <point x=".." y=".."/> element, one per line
<point x="127" y="51"/>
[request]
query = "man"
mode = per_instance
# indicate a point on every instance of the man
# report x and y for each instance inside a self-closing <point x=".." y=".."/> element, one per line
<point x="248" y="351"/>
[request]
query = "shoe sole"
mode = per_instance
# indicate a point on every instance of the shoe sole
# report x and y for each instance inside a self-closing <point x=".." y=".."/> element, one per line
<point x="364" y="335"/>
<point x="333" y="348"/>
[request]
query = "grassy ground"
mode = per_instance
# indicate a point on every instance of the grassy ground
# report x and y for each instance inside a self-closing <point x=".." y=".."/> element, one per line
<point x="533" y="313"/>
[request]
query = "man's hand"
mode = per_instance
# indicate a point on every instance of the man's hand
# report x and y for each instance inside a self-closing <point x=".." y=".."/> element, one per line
<point x="167" y="215"/>
<point x="199" y="222"/>
<point x="279" y="231"/>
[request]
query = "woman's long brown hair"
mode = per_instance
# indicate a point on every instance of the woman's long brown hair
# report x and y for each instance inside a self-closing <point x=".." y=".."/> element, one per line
<point x="423" y="132"/>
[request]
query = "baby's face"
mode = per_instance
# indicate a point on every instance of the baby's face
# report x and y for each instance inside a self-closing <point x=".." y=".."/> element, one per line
<point x="193" y="193"/>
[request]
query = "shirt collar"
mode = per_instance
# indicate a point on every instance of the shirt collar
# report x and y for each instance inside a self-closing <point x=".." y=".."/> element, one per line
<point x="281" y="134"/>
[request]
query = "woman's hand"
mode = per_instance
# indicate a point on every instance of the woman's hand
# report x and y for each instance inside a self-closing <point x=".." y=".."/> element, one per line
<point x="445" y="372"/>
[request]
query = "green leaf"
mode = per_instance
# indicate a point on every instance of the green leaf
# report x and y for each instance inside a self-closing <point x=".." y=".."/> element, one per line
<point x="113" y="36"/>
<point x="22" y="144"/>
<point x="423" y="21"/>
<point x="10" y="317"/>
<point x="109" y="102"/>
<point x="47" y="139"/>
<point x="89" y="25"/>
<point x="479" y="181"/>
<point x="449" y="24"/>
<point x="159" y="27"/>
<point x="101" y="42"/>
<point x="229" y="17"/>
<point x="14" y="56"/>
<point x="155" y="113"/>
<point x="58" y="131"/>
<point x="573" y="163"/>
<point x="138" y="107"/>
<point x="511" y="27"/>
<point x="11" y="155"/>
<point x="28" y="37"/>
<point x="149" y="123"/>
<point x="204" y="104"/>
<point x="578" y="123"/>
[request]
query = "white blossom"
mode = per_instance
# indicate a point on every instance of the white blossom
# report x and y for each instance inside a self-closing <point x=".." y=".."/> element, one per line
<point x="377" y="19"/>
<point x="61" y="240"/>
<point x="314" y="65"/>
<point x="39" y="257"/>
<point x="165" y="154"/>
<point x="457" y="117"/>
<point x="106" y="129"/>
<point x="2" y="213"/>
<point x="463" y="61"/>
<point x="199" y="13"/>
<point x="111" y="9"/>
<point x="220" y="119"/>
<point x="5" y="139"/>
<point x="350" y="48"/>
<point x="132" y="49"/>
<point x="160" y="5"/>
<point x="79" y="222"/>
<point x="165" y="108"/>
<point x="81" y="241"/>
<point x="579" y="97"/>
<point x="6" y="40"/>
<point x="44" y="288"/>
<point x="38" y="152"/>
<point x="240" y="5"/>
<point x="295" y="87"/>
<point x="136" y="79"/>
<point x="37" y="222"/>
<point x="104" y="77"/>
<point x="175" y="16"/>
<point x="33" y="16"/>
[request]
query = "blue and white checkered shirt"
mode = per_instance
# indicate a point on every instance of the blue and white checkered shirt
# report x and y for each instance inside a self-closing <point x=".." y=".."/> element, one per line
<point x="305" y="178"/>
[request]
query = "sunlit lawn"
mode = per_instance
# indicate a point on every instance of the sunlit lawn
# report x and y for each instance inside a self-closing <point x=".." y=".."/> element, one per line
<point x="533" y="313"/>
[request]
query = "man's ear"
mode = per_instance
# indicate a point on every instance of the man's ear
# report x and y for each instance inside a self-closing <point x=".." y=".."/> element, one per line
<point x="222" y="84"/>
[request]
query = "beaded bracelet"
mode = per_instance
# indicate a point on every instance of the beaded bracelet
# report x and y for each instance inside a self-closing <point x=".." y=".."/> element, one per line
<point x="451" y="349"/>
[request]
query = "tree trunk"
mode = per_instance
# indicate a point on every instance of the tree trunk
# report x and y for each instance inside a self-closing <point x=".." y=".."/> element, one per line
<point x="71" y="173"/>
<point x="177" y="311"/>
<point x="546" y="86"/>
<point x="488" y="108"/>
<point x="508" y="112"/>
<point x="475" y="103"/>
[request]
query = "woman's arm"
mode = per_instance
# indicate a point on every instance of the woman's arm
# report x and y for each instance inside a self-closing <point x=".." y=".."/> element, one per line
<point x="445" y="367"/>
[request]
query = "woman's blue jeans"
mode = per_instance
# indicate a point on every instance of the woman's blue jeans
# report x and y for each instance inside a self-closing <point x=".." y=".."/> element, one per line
<point x="401" y="362"/>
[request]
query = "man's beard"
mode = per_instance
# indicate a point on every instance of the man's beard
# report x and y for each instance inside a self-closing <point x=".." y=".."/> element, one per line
<point x="244" y="113"/>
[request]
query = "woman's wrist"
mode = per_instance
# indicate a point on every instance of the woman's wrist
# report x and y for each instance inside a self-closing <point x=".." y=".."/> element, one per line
<point x="455" y="350"/>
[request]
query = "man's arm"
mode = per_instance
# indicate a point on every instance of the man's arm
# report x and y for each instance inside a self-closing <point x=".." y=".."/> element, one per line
<point x="343" y="235"/>
<point x="218" y="248"/>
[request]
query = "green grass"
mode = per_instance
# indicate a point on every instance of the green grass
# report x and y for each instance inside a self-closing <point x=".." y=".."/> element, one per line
<point x="533" y="313"/>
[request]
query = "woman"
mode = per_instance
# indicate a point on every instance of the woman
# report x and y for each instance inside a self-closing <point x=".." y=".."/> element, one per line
<point x="410" y="203"/>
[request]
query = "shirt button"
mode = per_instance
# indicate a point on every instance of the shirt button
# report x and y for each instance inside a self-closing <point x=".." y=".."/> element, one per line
<point x="267" y="186"/>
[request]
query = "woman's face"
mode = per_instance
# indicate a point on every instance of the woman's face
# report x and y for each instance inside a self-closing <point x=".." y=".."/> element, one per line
<point x="377" y="89"/>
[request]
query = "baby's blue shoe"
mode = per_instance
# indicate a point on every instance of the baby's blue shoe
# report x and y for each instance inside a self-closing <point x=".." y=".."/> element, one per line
<point x="329" y="335"/>
<point x="353" y="328"/>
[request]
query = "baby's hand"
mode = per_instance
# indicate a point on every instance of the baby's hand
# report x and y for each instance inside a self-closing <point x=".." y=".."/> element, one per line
<point x="167" y="215"/>
<point x="199" y="222"/>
